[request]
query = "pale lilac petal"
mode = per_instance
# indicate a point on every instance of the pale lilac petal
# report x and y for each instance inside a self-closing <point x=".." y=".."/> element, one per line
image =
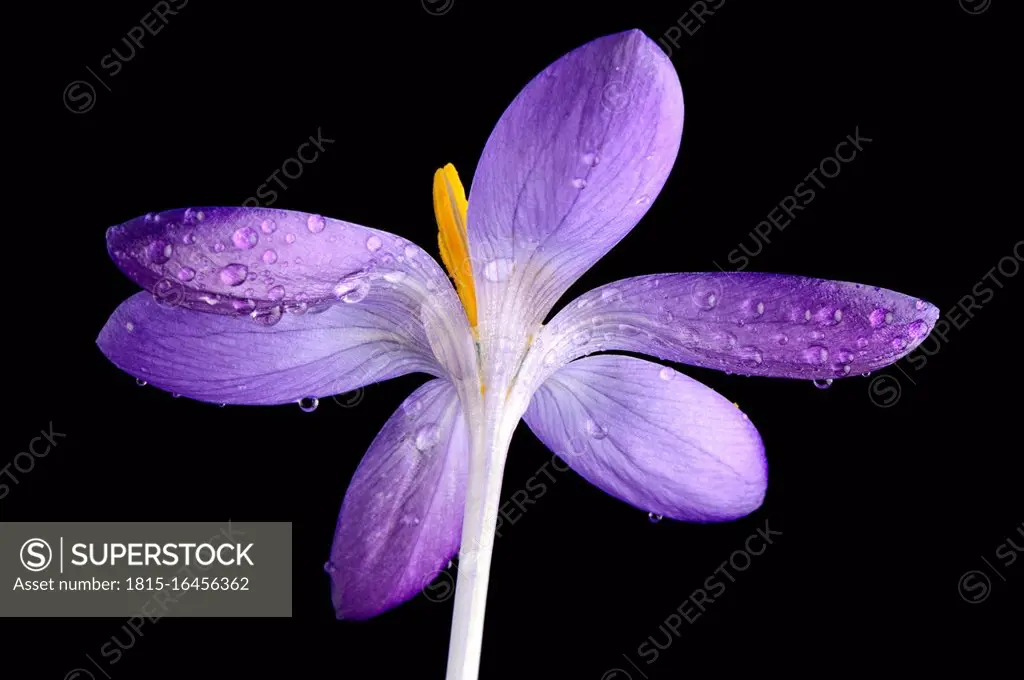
<point x="652" y="437"/>
<point x="264" y="265"/>
<point x="224" y="359"/>
<point x="747" y="323"/>
<point x="401" y="520"/>
<point x="572" y="165"/>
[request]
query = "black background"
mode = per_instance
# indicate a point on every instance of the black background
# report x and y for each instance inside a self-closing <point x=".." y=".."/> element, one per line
<point x="881" y="510"/>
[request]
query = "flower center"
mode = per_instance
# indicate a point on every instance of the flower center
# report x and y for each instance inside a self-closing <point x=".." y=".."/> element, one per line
<point x="450" y="210"/>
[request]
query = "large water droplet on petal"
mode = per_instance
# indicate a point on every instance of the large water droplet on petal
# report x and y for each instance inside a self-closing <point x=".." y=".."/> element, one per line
<point x="666" y="373"/>
<point x="751" y="356"/>
<point x="427" y="437"/>
<point x="815" y="354"/>
<point x="308" y="404"/>
<point x="373" y="244"/>
<point x="267" y="317"/>
<point x="918" y="329"/>
<point x="268" y="226"/>
<point x="234" y="274"/>
<point x="269" y="256"/>
<point x="186" y="274"/>
<point x="595" y="429"/>
<point x="579" y="183"/>
<point x="879" y="317"/>
<point x="352" y="288"/>
<point x="823" y="384"/>
<point x="276" y="293"/>
<point x="245" y="238"/>
<point x="159" y="251"/>
<point x="654" y="518"/>
<point x="316" y="223"/>
<point x="498" y="269"/>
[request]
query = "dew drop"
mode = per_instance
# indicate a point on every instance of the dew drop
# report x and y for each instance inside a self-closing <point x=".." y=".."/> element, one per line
<point x="591" y="159"/>
<point x="276" y="293"/>
<point x="269" y="256"/>
<point x="920" y="305"/>
<point x="316" y="223"/>
<point x="159" y="252"/>
<point x="410" y="252"/>
<point x="234" y="274"/>
<point x="373" y="244"/>
<point x="427" y="437"/>
<point x="186" y="274"/>
<point x="218" y="247"/>
<point x="267" y="317"/>
<point x="308" y="404"/>
<point x="781" y="338"/>
<point x="837" y="316"/>
<point x="579" y="183"/>
<point x="879" y="317"/>
<point x="643" y="200"/>
<point x="654" y="518"/>
<point x="396" y="276"/>
<point x="898" y="343"/>
<point x="815" y="354"/>
<point x="129" y="327"/>
<point x="751" y="356"/>
<point x="823" y="384"/>
<point x="596" y="429"/>
<point x="268" y="226"/>
<point x="666" y="373"/>
<point x="807" y="315"/>
<point x="862" y="342"/>
<point x="289" y="238"/>
<point x="352" y="288"/>
<point x="918" y="329"/>
<point x="188" y="238"/>
<point x="140" y="382"/>
<point x="498" y="269"/>
<point x="759" y="309"/>
<point x="844" y="356"/>
<point x="243" y="305"/>
<point x="245" y="238"/>
<point x="329" y="567"/>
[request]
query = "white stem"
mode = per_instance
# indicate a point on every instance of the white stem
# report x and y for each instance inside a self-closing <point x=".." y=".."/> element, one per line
<point x="487" y="463"/>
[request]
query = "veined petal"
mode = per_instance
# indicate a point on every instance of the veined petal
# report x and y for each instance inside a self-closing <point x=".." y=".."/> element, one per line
<point x="224" y="359"/>
<point x="266" y="264"/>
<point x="572" y="165"/>
<point x="652" y="437"/>
<point x="401" y="519"/>
<point x="753" y="324"/>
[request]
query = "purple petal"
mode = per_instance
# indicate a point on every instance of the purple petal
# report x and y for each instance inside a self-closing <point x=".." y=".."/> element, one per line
<point x="572" y="165"/>
<point x="652" y="437"/>
<point x="240" y="260"/>
<point x="401" y="520"/>
<point x="223" y="359"/>
<point x="753" y="324"/>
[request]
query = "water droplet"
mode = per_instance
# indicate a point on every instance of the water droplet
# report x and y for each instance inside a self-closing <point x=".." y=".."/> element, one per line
<point x="844" y="356"/>
<point x="243" y="305"/>
<point x="289" y="238"/>
<point x="129" y="326"/>
<point x="186" y="274"/>
<point x="188" y="238"/>
<point x="413" y="408"/>
<point x="898" y="343"/>
<point x="579" y="183"/>
<point x="920" y="305"/>
<point x="410" y="252"/>
<point x="759" y="309"/>
<point x="268" y="226"/>
<point x="862" y="342"/>
<point x="308" y="404"/>
<point x="316" y="223"/>
<point x="498" y="269"/>
<point x="266" y="317"/>
<point x="596" y="429"/>
<point x="140" y="382"/>
<point x="427" y="437"/>
<point x="654" y="518"/>
<point x="373" y="244"/>
<point x="218" y="247"/>
<point x="591" y="159"/>
<point x="781" y="338"/>
<point x="580" y="337"/>
<point x="150" y="217"/>
<point x="841" y="370"/>
<point x="175" y="395"/>
<point x="751" y="356"/>
<point x="807" y="315"/>
<point x="666" y="373"/>
<point x="837" y="315"/>
<point x="269" y="256"/>
<point x="815" y="335"/>
<point x="276" y="293"/>
<point x="918" y="329"/>
<point x="815" y="354"/>
<point x="159" y="252"/>
<point x="245" y="238"/>
<point x="396" y="276"/>
<point x="234" y="274"/>
<point x="611" y="293"/>
<point x="879" y="317"/>
<point x="643" y="200"/>
<point x="823" y="384"/>
<point x="352" y="288"/>
<point x="329" y="567"/>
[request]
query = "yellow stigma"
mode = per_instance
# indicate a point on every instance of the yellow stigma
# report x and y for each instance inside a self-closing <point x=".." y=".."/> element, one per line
<point x="450" y="210"/>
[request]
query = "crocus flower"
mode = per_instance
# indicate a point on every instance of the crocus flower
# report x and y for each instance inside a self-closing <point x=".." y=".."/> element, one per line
<point x="260" y="306"/>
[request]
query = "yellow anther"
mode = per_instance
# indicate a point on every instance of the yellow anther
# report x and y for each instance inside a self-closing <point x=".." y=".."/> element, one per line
<point x="450" y="210"/>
